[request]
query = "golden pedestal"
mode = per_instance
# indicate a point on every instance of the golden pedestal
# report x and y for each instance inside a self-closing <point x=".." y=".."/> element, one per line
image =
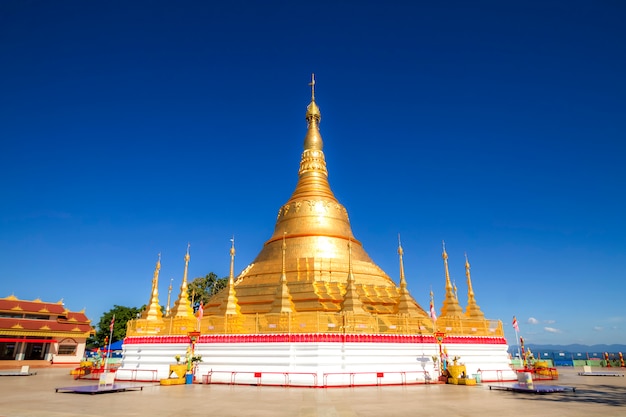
<point x="457" y="375"/>
<point x="179" y="371"/>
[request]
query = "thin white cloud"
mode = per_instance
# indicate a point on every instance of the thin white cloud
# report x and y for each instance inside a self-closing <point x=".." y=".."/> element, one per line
<point x="549" y="321"/>
<point x="551" y="330"/>
<point x="532" y="320"/>
<point x="598" y="328"/>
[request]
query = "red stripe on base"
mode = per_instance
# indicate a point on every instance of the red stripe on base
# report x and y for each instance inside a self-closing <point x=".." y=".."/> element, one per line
<point x="315" y="338"/>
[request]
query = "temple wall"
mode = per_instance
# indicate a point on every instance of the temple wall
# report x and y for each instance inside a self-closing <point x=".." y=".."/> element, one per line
<point x="316" y="363"/>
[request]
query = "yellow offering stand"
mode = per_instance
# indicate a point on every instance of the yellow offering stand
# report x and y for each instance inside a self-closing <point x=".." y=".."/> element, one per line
<point x="179" y="371"/>
<point x="457" y="375"/>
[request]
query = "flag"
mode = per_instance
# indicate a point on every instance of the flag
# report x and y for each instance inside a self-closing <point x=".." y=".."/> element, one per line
<point x="515" y="325"/>
<point x="433" y="315"/>
<point x="112" y="323"/>
<point x="200" y="311"/>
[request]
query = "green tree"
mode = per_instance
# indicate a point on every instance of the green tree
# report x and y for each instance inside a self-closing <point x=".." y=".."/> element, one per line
<point x="201" y="289"/>
<point x="122" y="316"/>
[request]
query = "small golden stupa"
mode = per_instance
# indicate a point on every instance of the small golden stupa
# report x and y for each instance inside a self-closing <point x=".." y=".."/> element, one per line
<point x="314" y="276"/>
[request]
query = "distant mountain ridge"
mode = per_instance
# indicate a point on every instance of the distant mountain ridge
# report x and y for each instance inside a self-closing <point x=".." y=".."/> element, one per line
<point x="573" y="348"/>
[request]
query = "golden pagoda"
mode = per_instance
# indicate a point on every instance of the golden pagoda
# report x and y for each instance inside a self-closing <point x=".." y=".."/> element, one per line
<point x="314" y="276"/>
<point x="313" y="266"/>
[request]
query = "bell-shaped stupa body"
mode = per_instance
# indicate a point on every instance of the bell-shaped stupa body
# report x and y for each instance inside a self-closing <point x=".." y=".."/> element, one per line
<point x="314" y="232"/>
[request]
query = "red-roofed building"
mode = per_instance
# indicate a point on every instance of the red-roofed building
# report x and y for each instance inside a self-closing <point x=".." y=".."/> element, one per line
<point x="41" y="331"/>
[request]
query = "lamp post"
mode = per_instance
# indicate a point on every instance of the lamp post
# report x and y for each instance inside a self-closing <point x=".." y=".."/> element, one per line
<point x="193" y="338"/>
<point x="439" y="336"/>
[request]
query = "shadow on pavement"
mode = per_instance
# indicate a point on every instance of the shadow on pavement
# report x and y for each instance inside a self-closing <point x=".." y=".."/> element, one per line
<point x="598" y="394"/>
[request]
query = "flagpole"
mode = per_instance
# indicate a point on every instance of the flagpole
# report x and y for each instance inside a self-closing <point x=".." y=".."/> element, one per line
<point x="517" y="339"/>
<point x="200" y="315"/>
<point x="106" y="361"/>
<point x="518" y="350"/>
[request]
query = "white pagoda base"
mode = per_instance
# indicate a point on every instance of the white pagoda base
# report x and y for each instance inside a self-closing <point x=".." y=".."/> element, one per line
<point x="315" y="360"/>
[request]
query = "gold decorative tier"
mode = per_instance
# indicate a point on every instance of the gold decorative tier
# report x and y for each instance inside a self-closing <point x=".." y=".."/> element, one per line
<point x="322" y="322"/>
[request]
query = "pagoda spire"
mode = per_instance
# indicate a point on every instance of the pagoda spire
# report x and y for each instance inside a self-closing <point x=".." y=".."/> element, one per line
<point x="451" y="305"/>
<point x="182" y="307"/>
<point x="283" y="303"/>
<point x="169" y="298"/>
<point x="313" y="174"/>
<point x="153" y="312"/>
<point x="406" y="303"/>
<point x="400" y="254"/>
<point x="351" y="301"/>
<point x="230" y="304"/>
<point x="473" y="310"/>
<point x="316" y="228"/>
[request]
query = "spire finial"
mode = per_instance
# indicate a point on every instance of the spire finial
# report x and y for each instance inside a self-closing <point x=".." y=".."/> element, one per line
<point x="451" y="305"/>
<point x="153" y="311"/>
<point x="473" y="310"/>
<point x="157" y="268"/>
<point x="231" y="276"/>
<point x="406" y="303"/>
<point x="169" y="295"/>
<point x="230" y="304"/>
<point x="400" y="253"/>
<point x="444" y="256"/>
<point x="313" y="115"/>
<point x="312" y="84"/>
<point x="182" y="306"/>
<point x="187" y="258"/>
<point x="470" y="290"/>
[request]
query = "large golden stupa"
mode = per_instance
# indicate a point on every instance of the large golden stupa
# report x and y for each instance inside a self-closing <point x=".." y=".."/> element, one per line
<point x="314" y="276"/>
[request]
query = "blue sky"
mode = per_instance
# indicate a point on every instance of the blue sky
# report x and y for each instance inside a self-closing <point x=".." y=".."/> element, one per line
<point x="131" y="129"/>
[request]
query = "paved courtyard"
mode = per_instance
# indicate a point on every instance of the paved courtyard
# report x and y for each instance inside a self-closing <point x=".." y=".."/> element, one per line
<point x="35" y="396"/>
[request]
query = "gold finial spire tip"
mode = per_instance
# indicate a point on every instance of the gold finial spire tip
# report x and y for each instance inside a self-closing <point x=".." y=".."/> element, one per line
<point x="312" y="84"/>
